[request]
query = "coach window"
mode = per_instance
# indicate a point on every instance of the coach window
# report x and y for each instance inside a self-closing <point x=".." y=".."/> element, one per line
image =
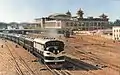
<point x="79" y="24"/>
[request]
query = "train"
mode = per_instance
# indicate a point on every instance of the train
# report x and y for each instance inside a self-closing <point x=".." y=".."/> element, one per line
<point x="50" y="50"/>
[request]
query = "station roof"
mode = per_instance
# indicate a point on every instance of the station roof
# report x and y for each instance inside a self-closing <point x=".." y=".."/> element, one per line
<point x="58" y="15"/>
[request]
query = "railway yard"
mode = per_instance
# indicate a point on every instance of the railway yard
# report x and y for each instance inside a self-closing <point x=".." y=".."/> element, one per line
<point x="85" y="55"/>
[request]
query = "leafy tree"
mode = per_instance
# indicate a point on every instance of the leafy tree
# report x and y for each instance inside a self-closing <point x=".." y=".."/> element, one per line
<point x="117" y="22"/>
<point x="3" y="25"/>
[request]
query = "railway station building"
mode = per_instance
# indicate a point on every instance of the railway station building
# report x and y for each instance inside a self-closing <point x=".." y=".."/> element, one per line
<point x="116" y="33"/>
<point x="66" y="21"/>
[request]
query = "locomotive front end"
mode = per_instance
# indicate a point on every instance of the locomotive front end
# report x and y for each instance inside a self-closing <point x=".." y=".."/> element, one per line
<point x="54" y="52"/>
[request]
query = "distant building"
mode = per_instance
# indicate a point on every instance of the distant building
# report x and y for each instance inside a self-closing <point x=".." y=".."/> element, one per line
<point x="30" y="25"/>
<point x="13" y="25"/>
<point x="116" y="33"/>
<point x="23" y="25"/>
<point x="69" y="22"/>
<point x="9" y="27"/>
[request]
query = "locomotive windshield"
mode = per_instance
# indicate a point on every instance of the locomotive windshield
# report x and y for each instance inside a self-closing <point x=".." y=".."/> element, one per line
<point x="51" y="48"/>
<point x="55" y="43"/>
<point x="54" y="46"/>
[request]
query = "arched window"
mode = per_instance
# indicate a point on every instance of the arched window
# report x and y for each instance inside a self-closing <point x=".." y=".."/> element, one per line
<point x="98" y="23"/>
<point x="71" y="24"/>
<point x="67" y="24"/>
<point x="75" y="24"/>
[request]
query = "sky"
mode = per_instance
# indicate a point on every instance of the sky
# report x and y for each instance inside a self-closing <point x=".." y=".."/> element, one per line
<point x="28" y="10"/>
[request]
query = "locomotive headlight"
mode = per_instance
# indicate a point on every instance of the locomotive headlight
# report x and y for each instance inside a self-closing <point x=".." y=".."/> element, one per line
<point x="58" y="51"/>
<point x="54" y="51"/>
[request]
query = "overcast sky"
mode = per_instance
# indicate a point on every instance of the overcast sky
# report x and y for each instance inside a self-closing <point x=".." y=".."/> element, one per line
<point x="28" y="10"/>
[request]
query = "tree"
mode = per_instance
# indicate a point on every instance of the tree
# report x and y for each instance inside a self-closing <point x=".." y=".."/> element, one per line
<point x="3" y="25"/>
<point x="117" y="22"/>
<point x="111" y="24"/>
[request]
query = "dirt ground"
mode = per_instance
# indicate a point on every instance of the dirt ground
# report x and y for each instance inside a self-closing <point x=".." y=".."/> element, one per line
<point x="91" y="49"/>
<point x="94" y="49"/>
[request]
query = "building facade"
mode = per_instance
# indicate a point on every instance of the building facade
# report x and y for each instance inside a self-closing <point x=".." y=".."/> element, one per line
<point x="69" y="22"/>
<point x="116" y="33"/>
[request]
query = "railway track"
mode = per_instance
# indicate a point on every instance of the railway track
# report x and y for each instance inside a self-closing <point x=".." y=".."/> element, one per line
<point x="57" y="72"/>
<point x="20" y="63"/>
<point x="82" y="66"/>
<point x="96" y="59"/>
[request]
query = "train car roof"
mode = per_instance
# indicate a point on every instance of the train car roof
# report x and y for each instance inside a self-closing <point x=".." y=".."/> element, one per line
<point x="29" y="39"/>
<point x="43" y="40"/>
<point x="1" y="33"/>
<point x="16" y="35"/>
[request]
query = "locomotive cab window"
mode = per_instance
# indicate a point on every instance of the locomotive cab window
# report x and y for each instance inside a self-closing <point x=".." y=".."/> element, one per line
<point x="54" y="46"/>
<point x="55" y="43"/>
